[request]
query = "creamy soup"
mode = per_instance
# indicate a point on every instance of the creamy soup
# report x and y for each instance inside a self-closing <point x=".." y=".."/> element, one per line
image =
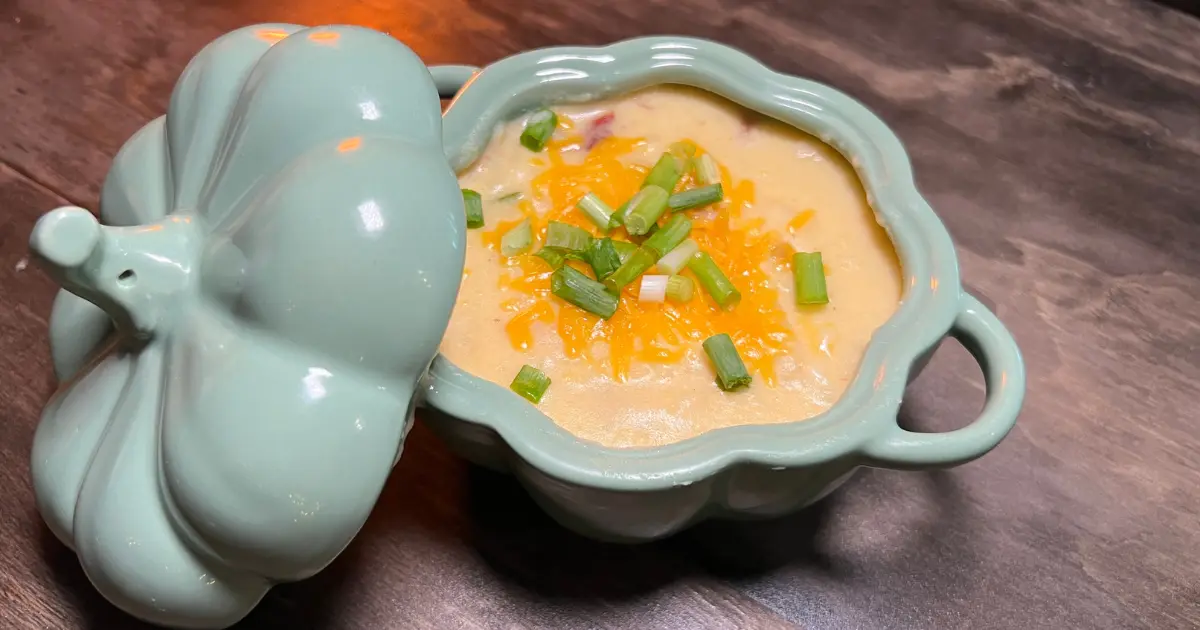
<point x="642" y="377"/>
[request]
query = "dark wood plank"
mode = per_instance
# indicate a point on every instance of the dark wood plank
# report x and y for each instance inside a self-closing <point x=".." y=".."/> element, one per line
<point x="1187" y="6"/>
<point x="82" y="79"/>
<point x="1058" y="139"/>
<point x="27" y="582"/>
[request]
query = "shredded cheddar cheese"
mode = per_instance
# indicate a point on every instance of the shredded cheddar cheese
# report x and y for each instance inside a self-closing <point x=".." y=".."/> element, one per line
<point x="646" y="332"/>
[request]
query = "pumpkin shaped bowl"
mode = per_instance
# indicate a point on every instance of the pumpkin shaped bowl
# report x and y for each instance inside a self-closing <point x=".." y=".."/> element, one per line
<point x="745" y="471"/>
<point x="240" y="343"/>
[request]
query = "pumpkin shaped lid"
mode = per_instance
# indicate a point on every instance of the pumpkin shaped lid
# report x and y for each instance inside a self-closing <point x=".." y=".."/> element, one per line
<point x="279" y="259"/>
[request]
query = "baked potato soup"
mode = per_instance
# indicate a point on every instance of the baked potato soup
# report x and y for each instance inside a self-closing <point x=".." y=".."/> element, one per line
<point x="664" y="264"/>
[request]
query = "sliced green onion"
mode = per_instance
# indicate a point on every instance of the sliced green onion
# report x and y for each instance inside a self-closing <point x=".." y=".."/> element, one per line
<point x="513" y="196"/>
<point x="531" y="384"/>
<point x="677" y="258"/>
<point x="653" y="289"/>
<point x="659" y="288"/>
<point x="669" y="236"/>
<point x="553" y="256"/>
<point x="707" y="171"/>
<point x="637" y="264"/>
<point x="714" y="281"/>
<point x="624" y="249"/>
<point x="731" y="372"/>
<point x="639" y="239"/>
<point x="538" y="130"/>
<point x="473" y="204"/>
<point x="665" y="174"/>
<point x="649" y="232"/>
<point x="696" y="197"/>
<point x="617" y="219"/>
<point x="680" y="288"/>
<point x="683" y="150"/>
<point x="517" y="240"/>
<point x="596" y="210"/>
<point x="644" y="209"/>
<point x="575" y="287"/>
<point x="603" y="258"/>
<point x="808" y="273"/>
<point x="566" y="236"/>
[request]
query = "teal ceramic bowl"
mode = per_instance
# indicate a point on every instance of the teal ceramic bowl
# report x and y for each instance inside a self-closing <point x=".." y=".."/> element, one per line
<point x="743" y="471"/>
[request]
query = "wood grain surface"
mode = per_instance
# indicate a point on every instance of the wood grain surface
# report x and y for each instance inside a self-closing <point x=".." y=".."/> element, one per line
<point x="1058" y="139"/>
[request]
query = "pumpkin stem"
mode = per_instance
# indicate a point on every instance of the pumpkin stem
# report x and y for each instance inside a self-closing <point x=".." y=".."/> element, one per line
<point x="126" y="271"/>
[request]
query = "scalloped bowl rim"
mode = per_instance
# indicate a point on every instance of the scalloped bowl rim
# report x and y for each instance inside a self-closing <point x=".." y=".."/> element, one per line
<point x="867" y="409"/>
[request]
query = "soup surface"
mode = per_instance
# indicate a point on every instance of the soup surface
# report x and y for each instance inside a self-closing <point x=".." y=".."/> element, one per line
<point x="641" y="377"/>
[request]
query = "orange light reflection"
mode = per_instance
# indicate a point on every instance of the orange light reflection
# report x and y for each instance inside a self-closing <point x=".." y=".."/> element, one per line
<point x="325" y="37"/>
<point x="349" y="144"/>
<point x="270" y="35"/>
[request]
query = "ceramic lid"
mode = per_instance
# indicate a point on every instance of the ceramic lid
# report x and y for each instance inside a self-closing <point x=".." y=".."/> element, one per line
<point x="280" y="256"/>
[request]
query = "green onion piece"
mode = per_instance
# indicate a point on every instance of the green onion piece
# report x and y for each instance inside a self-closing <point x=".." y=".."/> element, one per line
<point x="707" y="171"/>
<point x="531" y="384"/>
<point x="684" y="150"/>
<point x="538" y="130"/>
<point x="596" y="210"/>
<point x="624" y="249"/>
<point x="603" y="258"/>
<point x="617" y="219"/>
<point x="677" y="258"/>
<point x="665" y="174"/>
<point x="580" y="256"/>
<point x="513" y="196"/>
<point x="644" y="210"/>
<point x="696" y="197"/>
<point x="680" y="288"/>
<point x="714" y="281"/>
<point x="731" y="372"/>
<point x="517" y="240"/>
<point x="553" y="256"/>
<point x="637" y="264"/>
<point x="575" y="287"/>
<point x="653" y="289"/>
<point x="659" y="288"/>
<point x="473" y="204"/>
<point x="567" y="236"/>
<point x="641" y="238"/>
<point x="669" y="236"/>
<point x="808" y="273"/>
<point x="557" y="256"/>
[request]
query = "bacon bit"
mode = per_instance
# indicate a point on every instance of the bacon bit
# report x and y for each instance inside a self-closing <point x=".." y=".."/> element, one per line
<point x="601" y="128"/>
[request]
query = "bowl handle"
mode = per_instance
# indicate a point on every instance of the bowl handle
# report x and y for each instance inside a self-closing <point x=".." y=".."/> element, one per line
<point x="450" y="79"/>
<point x="982" y="334"/>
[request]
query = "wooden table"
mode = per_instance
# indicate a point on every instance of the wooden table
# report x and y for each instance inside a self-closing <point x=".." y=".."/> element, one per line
<point x="1058" y="139"/>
